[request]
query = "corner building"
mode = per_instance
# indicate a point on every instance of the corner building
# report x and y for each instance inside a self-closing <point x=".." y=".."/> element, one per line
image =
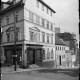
<point x="35" y="36"/>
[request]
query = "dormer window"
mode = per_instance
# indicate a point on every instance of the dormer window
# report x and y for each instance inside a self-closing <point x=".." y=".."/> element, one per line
<point x="51" y="13"/>
<point x="37" y="4"/>
<point x="47" y="10"/>
<point x="42" y="7"/>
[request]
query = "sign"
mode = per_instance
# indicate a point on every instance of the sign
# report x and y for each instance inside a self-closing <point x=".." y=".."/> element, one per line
<point x="73" y="58"/>
<point x="14" y="55"/>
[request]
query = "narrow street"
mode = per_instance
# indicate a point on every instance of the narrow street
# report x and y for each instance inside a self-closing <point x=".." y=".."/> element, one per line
<point x="46" y="74"/>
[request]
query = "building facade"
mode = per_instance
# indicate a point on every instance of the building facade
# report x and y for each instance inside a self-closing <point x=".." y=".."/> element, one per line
<point x="32" y="21"/>
<point x="60" y="52"/>
<point x="68" y="57"/>
<point x="63" y="54"/>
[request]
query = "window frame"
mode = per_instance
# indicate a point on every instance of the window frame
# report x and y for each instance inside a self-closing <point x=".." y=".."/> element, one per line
<point x="43" y="36"/>
<point x="7" y="20"/>
<point x="52" y="53"/>
<point x="48" y="38"/>
<point x="8" y="37"/>
<point x="48" y="53"/>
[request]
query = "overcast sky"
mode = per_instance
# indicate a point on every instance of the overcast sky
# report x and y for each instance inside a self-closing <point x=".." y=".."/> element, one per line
<point x="67" y="15"/>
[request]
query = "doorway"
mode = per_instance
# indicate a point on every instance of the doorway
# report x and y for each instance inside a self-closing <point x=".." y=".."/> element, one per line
<point x="60" y="60"/>
<point x="33" y="56"/>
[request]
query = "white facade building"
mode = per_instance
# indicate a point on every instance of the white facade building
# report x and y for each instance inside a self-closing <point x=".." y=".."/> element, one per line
<point x="35" y="36"/>
<point x="63" y="54"/>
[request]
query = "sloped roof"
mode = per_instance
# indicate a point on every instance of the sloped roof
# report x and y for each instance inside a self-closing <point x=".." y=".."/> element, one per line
<point x="59" y="41"/>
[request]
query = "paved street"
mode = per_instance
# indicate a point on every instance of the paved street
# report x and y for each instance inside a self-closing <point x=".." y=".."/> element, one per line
<point x="46" y="74"/>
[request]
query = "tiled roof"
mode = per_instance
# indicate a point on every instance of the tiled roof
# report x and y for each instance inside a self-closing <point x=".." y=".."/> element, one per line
<point x="59" y="41"/>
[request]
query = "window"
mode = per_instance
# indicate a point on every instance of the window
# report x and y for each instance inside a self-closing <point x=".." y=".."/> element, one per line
<point x="51" y="13"/>
<point x="17" y="35"/>
<point x="47" y="10"/>
<point x="16" y="16"/>
<point x="42" y="7"/>
<point x="52" y="39"/>
<point x="31" y="36"/>
<point x="37" y="20"/>
<point x="38" y="37"/>
<point x="63" y="56"/>
<point x="47" y="24"/>
<point x="43" y="52"/>
<point x="48" y="54"/>
<point x="11" y="37"/>
<point x="52" y="54"/>
<point x="56" y="47"/>
<point x="43" y="23"/>
<point x="64" y="48"/>
<point x="31" y="16"/>
<point x="35" y="36"/>
<point x="52" y="27"/>
<point x="47" y="38"/>
<point x="43" y="37"/>
<point x="60" y="48"/>
<point x="8" y="37"/>
<point x="7" y="19"/>
<point x="37" y="3"/>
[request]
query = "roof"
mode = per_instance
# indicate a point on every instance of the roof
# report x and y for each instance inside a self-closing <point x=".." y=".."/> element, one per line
<point x="46" y="5"/>
<point x="59" y="41"/>
<point x="10" y="6"/>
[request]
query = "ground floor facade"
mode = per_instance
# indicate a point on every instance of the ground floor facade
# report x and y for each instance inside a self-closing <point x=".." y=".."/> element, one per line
<point x="28" y="54"/>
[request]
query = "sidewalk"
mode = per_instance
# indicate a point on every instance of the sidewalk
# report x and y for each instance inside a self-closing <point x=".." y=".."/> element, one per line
<point x="11" y="69"/>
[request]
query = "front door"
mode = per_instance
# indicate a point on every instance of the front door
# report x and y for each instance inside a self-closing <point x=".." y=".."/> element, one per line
<point x="30" y="56"/>
<point x="38" y="56"/>
<point x="60" y="60"/>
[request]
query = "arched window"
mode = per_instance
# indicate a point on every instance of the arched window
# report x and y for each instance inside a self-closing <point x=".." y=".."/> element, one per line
<point x="48" y="54"/>
<point x="52" y="54"/>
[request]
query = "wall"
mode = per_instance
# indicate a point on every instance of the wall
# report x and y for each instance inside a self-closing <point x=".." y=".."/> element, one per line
<point x="19" y="24"/>
<point x="63" y="56"/>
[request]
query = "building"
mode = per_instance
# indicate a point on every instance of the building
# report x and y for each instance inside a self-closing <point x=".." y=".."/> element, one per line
<point x="32" y="21"/>
<point x="68" y="57"/>
<point x="70" y="39"/>
<point x="60" y="52"/>
<point x="57" y="30"/>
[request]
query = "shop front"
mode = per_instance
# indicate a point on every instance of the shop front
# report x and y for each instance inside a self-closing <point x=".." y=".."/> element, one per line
<point x="9" y="52"/>
<point x="35" y="55"/>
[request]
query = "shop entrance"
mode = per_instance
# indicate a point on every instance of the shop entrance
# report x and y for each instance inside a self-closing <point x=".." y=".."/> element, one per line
<point x="34" y="56"/>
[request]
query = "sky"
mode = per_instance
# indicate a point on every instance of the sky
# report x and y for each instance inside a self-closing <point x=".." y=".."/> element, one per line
<point x="66" y="16"/>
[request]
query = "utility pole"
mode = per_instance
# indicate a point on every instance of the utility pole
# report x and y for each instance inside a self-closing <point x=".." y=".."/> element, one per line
<point x="0" y="46"/>
<point x="15" y="42"/>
